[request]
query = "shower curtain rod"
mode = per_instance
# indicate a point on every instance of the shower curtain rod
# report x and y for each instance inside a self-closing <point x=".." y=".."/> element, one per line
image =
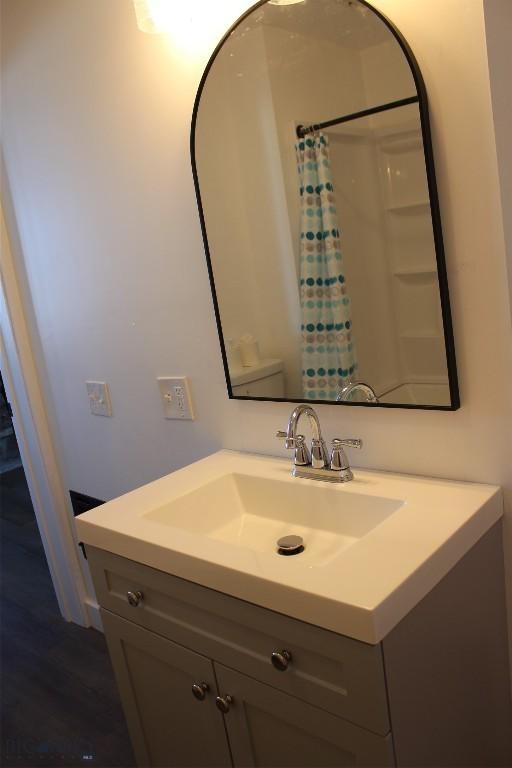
<point x="303" y="130"/>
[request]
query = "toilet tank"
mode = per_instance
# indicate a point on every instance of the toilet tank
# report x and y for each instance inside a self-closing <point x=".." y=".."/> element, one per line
<point x="265" y="379"/>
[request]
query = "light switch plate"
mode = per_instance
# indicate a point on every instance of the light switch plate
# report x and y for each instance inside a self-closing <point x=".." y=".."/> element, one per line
<point x="99" y="398"/>
<point x="175" y="393"/>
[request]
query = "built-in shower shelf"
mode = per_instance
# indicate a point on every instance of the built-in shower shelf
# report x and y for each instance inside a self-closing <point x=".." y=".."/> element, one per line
<point x="396" y="144"/>
<point x="420" y="335"/>
<point x="415" y="271"/>
<point x="405" y="208"/>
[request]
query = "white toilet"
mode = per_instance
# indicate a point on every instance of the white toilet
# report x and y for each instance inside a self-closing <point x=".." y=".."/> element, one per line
<point x="265" y="379"/>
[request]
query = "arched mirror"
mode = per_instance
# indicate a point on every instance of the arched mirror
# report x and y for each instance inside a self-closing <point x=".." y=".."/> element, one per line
<point x="315" y="179"/>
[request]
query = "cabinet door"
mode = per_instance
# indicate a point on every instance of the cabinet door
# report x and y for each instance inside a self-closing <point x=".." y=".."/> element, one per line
<point x="168" y="725"/>
<point x="270" y="729"/>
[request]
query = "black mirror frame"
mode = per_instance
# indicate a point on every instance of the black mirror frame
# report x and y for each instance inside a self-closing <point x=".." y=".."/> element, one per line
<point x="436" y="226"/>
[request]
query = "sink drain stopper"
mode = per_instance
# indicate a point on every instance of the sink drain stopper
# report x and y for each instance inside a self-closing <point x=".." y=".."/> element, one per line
<point x="290" y="545"/>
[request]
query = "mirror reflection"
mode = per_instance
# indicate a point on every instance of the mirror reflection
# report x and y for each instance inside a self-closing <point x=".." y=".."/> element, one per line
<point x="313" y="183"/>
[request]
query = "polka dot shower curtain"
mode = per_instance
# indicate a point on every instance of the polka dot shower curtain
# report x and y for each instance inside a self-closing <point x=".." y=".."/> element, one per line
<point x="328" y="353"/>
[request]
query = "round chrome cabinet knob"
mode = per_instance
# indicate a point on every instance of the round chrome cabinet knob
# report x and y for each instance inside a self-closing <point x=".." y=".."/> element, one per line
<point x="135" y="598"/>
<point x="224" y="703"/>
<point x="280" y="660"/>
<point x="199" y="690"/>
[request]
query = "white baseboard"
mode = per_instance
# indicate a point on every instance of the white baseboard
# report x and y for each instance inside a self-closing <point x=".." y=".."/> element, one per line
<point x="93" y="612"/>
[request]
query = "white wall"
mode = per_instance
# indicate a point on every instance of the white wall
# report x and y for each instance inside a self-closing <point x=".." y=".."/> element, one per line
<point x="96" y="122"/>
<point x="498" y="21"/>
<point x="243" y="198"/>
<point x="355" y="167"/>
<point x="308" y="102"/>
<point x="381" y="87"/>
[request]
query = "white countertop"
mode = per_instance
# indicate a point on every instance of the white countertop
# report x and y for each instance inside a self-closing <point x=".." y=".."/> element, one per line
<point x="362" y="592"/>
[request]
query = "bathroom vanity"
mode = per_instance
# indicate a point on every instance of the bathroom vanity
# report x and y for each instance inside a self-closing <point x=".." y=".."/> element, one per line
<point x="380" y="638"/>
<point x="383" y="643"/>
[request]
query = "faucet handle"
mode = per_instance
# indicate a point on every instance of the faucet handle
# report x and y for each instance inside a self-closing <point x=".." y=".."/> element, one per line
<point x="339" y="461"/>
<point x="349" y="442"/>
<point x="289" y="442"/>
<point x="302" y="455"/>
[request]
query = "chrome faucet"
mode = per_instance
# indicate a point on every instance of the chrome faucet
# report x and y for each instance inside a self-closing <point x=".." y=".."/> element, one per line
<point x="357" y="386"/>
<point x="317" y="465"/>
<point x="318" y="457"/>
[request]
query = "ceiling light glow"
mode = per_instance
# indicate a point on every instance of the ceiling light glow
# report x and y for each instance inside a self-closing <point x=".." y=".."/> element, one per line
<point x="191" y="26"/>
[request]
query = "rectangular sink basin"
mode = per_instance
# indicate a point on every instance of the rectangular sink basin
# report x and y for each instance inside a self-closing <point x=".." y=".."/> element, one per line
<point x="374" y="547"/>
<point x="254" y="512"/>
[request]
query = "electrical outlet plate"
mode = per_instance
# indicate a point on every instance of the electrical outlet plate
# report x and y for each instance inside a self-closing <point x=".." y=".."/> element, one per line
<point x="99" y="398"/>
<point x="176" y="399"/>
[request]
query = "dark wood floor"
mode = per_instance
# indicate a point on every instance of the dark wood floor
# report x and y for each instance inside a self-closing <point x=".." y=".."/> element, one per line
<point x="59" y="703"/>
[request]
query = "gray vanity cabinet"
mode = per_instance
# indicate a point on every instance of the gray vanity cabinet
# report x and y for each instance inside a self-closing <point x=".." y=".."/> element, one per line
<point x="269" y="728"/>
<point x="265" y="727"/>
<point x="328" y="708"/>
<point x="439" y="679"/>
<point x="168" y="725"/>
